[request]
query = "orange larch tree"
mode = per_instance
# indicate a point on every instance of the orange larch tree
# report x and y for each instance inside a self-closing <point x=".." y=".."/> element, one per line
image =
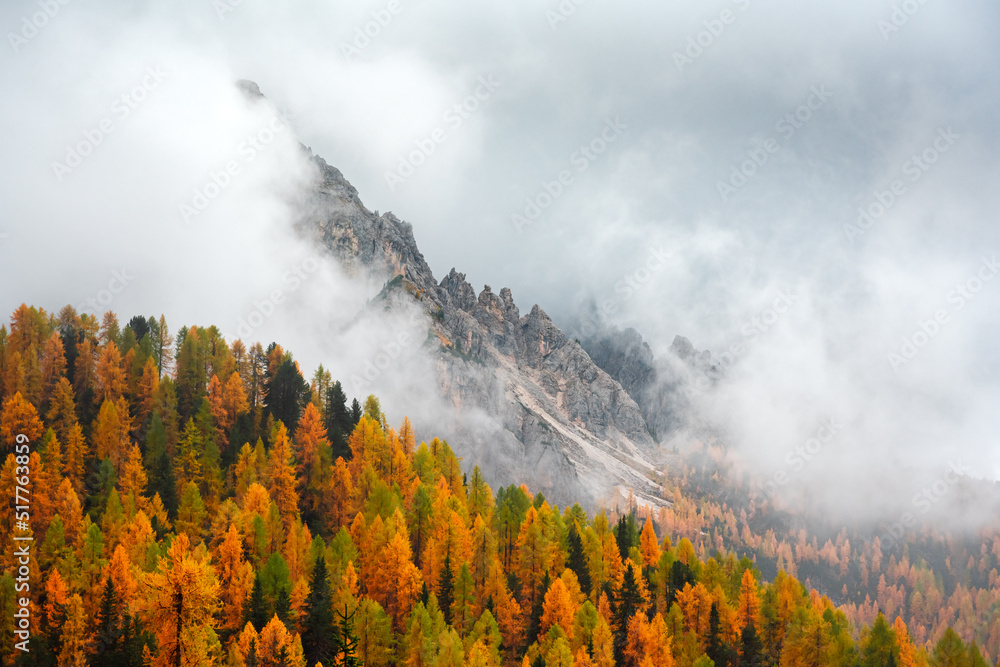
<point x="281" y="476"/>
<point x="649" y="548"/>
<point x="236" y="579"/>
<point x="19" y="418"/>
<point x="62" y="409"/>
<point x="111" y="384"/>
<point x="558" y="609"/>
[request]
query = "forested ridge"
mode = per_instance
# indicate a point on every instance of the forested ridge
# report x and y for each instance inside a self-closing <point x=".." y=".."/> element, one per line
<point x="197" y="501"/>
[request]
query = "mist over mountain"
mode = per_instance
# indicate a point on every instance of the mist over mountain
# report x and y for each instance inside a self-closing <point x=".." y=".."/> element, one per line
<point x="529" y="403"/>
<point x="724" y="274"/>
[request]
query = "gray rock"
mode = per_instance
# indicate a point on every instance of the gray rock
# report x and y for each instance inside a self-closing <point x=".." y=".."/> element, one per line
<point x="556" y="419"/>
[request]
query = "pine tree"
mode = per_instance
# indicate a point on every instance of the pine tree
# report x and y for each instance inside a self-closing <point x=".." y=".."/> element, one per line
<point x="626" y="535"/>
<point x="577" y="560"/>
<point x="283" y="605"/>
<point x="339" y="422"/>
<point x="626" y="603"/>
<point x="445" y="588"/>
<point x="346" y="640"/>
<point x="255" y="611"/>
<point x="285" y="393"/>
<point x="319" y="638"/>
<point x="420" y="522"/>
<point x="714" y="648"/>
<point x="751" y="654"/>
<point x="537" y="609"/>
<point x="108" y="631"/>
<point x="252" y="660"/>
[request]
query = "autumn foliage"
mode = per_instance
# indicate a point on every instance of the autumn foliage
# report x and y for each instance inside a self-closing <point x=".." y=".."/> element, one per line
<point x="197" y="502"/>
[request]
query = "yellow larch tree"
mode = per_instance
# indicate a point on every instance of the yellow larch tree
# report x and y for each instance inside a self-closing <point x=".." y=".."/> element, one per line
<point x="62" y="409"/>
<point x="180" y="600"/>
<point x="120" y="569"/>
<point x="69" y="510"/>
<point x="532" y="555"/>
<point x="149" y="385"/>
<point x="76" y="456"/>
<point x="748" y="607"/>
<point x="399" y="580"/>
<point x="53" y="365"/>
<point x="604" y="647"/>
<point x="696" y="605"/>
<point x="75" y="635"/>
<point x="907" y="651"/>
<point x="132" y="482"/>
<point x="648" y="640"/>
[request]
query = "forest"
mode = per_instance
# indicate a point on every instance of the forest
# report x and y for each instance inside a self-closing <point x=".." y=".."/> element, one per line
<point x="196" y="501"/>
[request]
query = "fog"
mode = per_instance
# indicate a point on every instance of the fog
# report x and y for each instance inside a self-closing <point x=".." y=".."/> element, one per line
<point x="685" y="167"/>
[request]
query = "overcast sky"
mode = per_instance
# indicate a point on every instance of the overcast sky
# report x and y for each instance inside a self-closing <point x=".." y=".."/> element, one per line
<point x="823" y="106"/>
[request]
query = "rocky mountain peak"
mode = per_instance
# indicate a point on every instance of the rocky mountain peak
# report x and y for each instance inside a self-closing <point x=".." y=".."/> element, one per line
<point x="557" y="419"/>
<point x="458" y="291"/>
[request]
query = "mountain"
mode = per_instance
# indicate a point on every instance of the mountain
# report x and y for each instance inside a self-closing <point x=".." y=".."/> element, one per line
<point x="557" y="420"/>
<point x="658" y="386"/>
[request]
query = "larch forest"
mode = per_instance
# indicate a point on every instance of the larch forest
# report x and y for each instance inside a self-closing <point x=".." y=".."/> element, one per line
<point x="197" y="501"/>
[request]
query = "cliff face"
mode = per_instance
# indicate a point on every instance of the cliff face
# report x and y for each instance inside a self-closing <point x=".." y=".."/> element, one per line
<point x="658" y="386"/>
<point x="556" y="419"/>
